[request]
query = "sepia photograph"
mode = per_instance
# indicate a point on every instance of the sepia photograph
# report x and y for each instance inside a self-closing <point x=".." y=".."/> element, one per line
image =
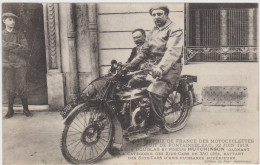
<point x="130" y="83"/>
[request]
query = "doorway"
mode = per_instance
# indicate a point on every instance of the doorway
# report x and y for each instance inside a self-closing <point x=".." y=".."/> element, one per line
<point x="30" y="21"/>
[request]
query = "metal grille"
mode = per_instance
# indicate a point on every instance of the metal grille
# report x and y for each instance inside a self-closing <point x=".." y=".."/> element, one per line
<point x="222" y="35"/>
<point x="237" y="27"/>
<point x="210" y="30"/>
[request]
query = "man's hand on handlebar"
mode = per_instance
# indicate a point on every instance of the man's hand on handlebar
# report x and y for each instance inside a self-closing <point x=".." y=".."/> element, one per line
<point x="157" y="72"/>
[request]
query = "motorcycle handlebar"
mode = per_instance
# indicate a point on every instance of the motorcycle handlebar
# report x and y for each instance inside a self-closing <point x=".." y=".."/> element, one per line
<point x="139" y="71"/>
<point x="126" y="71"/>
<point x="149" y="77"/>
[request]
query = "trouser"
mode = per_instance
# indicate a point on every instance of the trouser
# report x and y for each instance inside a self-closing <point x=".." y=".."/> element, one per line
<point x="159" y="91"/>
<point x="15" y="82"/>
<point x="157" y="103"/>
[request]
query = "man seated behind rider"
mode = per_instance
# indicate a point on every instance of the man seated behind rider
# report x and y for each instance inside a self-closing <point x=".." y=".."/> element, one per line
<point x="163" y="46"/>
<point x="139" y="37"/>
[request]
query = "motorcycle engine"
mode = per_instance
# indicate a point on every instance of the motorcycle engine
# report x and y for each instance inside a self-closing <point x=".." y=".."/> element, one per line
<point x="135" y="109"/>
<point x="141" y="113"/>
<point x="134" y="113"/>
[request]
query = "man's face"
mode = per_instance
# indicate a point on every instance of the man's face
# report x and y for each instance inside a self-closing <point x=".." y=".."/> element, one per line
<point x="138" y="38"/>
<point x="9" y="22"/>
<point x="159" y="17"/>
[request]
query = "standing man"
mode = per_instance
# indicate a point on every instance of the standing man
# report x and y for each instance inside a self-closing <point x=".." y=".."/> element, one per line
<point x="15" y="54"/>
<point x="164" y="47"/>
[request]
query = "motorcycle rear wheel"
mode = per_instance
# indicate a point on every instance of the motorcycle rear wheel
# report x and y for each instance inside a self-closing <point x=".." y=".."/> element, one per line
<point x="87" y="137"/>
<point x="183" y="113"/>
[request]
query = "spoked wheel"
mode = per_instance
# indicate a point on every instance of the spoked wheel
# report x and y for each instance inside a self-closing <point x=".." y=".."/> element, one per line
<point x="177" y="111"/>
<point x="86" y="138"/>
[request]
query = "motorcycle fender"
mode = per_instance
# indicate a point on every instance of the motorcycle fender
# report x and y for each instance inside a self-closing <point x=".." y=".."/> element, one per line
<point x="183" y="87"/>
<point x="68" y="118"/>
<point x="118" y="131"/>
<point x="70" y="115"/>
<point x="193" y="94"/>
<point x="186" y="88"/>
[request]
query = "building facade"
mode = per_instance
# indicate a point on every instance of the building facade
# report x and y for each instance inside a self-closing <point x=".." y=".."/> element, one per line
<point x="221" y="32"/>
<point x="74" y="43"/>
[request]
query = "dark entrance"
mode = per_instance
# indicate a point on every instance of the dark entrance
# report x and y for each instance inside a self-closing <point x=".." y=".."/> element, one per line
<point x="31" y="22"/>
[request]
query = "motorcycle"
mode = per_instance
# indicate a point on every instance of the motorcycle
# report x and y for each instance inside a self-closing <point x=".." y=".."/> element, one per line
<point x="108" y="110"/>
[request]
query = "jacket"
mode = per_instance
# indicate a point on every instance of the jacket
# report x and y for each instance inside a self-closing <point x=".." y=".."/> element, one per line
<point x="14" y="48"/>
<point x="164" y="47"/>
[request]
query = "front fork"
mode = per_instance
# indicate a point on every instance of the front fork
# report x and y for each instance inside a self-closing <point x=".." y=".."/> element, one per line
<point x="117" y="142"/>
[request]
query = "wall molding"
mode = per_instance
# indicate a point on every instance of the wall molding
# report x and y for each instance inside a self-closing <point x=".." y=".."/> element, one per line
<point x="52" y="41"/>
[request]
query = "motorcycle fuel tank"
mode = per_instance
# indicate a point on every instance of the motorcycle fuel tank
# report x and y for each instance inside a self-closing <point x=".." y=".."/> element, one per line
<point x="131" y="94"/>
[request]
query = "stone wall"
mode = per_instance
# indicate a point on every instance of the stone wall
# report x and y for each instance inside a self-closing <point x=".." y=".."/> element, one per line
<point x="69" y="53"/>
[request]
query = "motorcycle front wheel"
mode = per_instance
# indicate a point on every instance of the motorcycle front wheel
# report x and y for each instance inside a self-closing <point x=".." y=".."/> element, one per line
<point x="177" y="114"/>
<point x="87" y="136"/>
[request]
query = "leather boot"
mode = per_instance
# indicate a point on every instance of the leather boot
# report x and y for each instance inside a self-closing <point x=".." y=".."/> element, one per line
<point x="10" y="111"/>
<point x="25" y="107"/>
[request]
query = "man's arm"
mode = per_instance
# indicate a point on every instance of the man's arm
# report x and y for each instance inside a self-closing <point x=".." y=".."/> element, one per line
<point x="173" y="52"/>
<point x="22" y="46"/>
<point x="8" y="45"/>
<point x="133" y="54"/>
<point x="141" y="55"/>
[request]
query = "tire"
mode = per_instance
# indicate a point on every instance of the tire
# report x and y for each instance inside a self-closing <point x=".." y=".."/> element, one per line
<point x="183" y="113"/>
<point x="87" y="126"/>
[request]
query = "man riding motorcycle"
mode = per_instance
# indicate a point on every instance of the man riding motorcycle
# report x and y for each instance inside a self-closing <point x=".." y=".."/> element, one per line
<point x="163" y="46"/>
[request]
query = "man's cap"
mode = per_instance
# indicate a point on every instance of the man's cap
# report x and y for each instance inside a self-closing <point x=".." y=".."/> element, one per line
<point x="161" y="7"/>
<point x="5" y="15"/>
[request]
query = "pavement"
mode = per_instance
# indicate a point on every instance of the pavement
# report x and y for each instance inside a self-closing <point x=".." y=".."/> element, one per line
<point x="36" y="140"/>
